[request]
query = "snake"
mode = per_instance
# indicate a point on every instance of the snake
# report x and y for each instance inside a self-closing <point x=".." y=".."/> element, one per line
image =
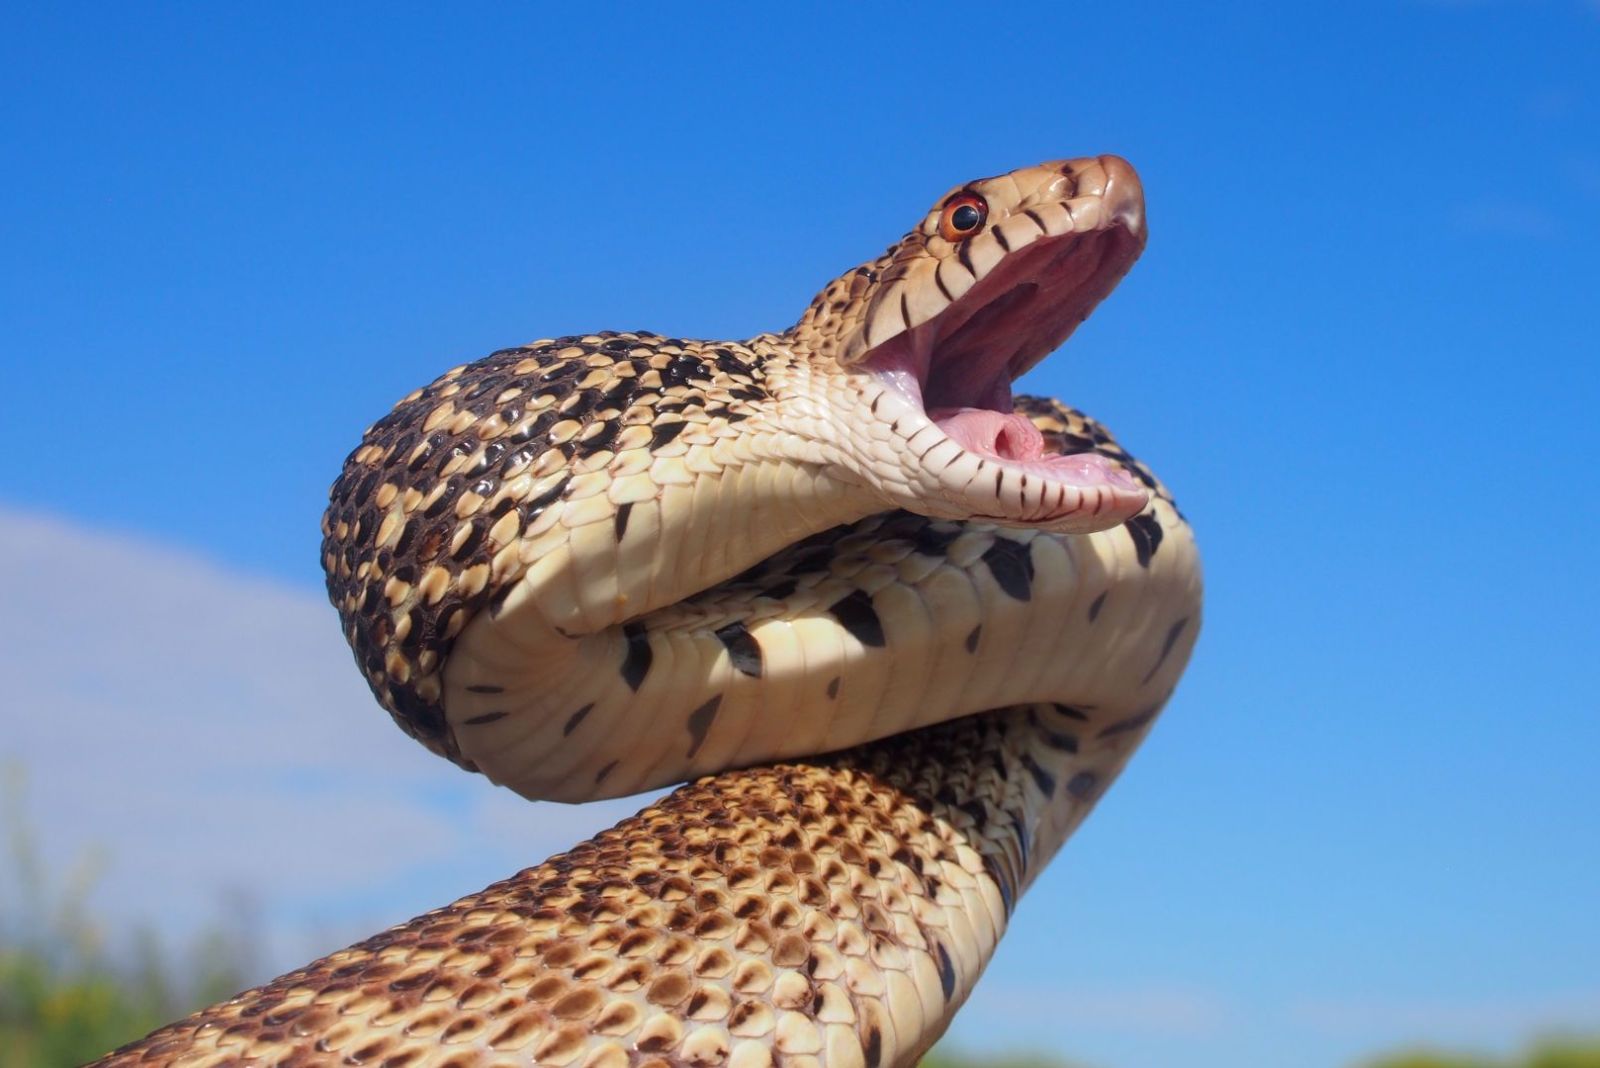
<point x="896" y="626"/>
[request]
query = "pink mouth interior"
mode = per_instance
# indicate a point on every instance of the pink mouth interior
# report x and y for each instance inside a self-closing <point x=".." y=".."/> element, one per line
<point x="1013" y="438"/>
<point x="963" y="361"/>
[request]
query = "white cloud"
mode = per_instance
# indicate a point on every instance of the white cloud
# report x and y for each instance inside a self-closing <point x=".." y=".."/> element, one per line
<point x="1503" y="218"/>
<point x="209" y="732"/>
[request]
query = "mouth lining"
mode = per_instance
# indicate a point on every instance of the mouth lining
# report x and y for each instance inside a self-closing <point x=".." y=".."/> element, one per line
<point x="959" y="366"/>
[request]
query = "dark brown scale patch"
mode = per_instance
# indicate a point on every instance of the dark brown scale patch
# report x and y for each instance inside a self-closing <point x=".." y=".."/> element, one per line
<point x="1132" y="723"/>
<point x="1081" y="786"/>
<point x="872" y="1047"/>
<point x="780" y="591"/>
<point x="972" y="638"/>
<point x="857" y="615"/>
<point x="1011" y="564"/>
<point x="487" y="717"/>
<point x="663" y="433"/>
<point x="576" y="718"/>
<point x="600" y="441"/>
<point x="1041" y="778"/>
<point x="700" y="721"/>
<point x="497" y="600"/>
<point x="621" y="522"/>
<point x="1097" y="604"/>
<point x="669" y="989"/>
<point x="947" y="971"/>
<point x="682" y="370"/>
<point x="600" y="776"/>
<point x="833" y="687"/>
<point x="1166" y="648"/>
<point x="744" y="652"/>
<point x="1066" y="743"/>
<point x="1145" y="529"/>
<point x="636" y="661"/>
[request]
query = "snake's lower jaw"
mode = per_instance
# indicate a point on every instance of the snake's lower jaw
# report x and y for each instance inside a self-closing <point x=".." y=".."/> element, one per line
<point x="978" y="464"/>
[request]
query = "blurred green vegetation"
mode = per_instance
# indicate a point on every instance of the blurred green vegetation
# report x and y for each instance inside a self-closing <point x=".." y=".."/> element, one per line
<point x="1553" y="1053"/>
<point x="69" y="994"/>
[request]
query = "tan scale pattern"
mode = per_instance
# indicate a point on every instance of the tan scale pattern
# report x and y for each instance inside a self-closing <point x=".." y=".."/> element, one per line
<point x="832" y="913"/>
<point x="443" y="503"/>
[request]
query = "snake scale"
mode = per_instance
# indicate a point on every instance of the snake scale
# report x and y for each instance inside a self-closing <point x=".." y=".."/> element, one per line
<point x="594" y="565"/>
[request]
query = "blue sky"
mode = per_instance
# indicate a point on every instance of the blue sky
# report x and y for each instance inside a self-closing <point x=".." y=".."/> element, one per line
<point x="1361" y="347"/>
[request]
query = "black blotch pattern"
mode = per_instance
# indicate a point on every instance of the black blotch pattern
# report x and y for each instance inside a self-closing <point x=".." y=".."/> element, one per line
<point x="1145" y="529"/>
<point x="743" y="650"/>
<point x="780" y="591"/>
<point x="485" y="688"/>
<point x="972" y="638"/>
<point x="857" y="615"/>
<point x="636" y="662"/>
<point x="1011" y="564"/>
<point x="930" y="540"/>
<point x="623" y="511"/>
<point x="700" y="722"/>
<point x="872" y="1048"/>
<point x="1066" y="743"/>
<point x="1132" y="723"/>
<point x="1081" y="786"/>
<point x="665" y="432"/>
<point x="833" y="687"/>
<point x="600" y="440"/>
<point x="497" y="600"/>
<point x="1002" y="880"/>
<point x="1041" y="778"/>
<point x="947" y="972"/>
<point x="1166" y="648"/>
<point x="487" y="717"/>
<point x="1097" y="604"/>
<point x="576" y="718"/>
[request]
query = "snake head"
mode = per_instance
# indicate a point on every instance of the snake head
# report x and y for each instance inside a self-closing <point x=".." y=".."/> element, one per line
<point x="931" y="335"/>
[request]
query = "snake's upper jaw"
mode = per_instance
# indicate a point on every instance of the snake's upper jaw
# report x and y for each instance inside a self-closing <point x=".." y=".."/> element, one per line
<point x="1058" y="239"/>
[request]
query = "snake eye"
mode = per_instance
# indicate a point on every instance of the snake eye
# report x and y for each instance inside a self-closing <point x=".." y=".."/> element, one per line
<point x="962" y="216"/>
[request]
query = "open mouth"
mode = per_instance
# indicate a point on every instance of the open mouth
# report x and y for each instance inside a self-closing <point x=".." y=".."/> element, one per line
<point x="957" y="368"/>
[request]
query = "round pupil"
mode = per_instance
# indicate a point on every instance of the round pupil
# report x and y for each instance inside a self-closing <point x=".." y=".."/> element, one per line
<point x="965" y="218"/>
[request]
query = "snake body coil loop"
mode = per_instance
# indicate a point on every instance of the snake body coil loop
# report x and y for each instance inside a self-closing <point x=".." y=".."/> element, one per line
<point x="598" y="564"/>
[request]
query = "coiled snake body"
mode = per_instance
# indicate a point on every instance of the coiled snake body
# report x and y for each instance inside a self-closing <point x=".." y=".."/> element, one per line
<point x="598" y="564"/>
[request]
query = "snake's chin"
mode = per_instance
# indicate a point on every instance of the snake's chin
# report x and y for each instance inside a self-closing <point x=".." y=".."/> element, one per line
<point x="954" y="374"/>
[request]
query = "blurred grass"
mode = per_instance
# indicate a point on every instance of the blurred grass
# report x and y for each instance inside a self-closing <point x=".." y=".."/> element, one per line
<point x="1551" y="1053"/>
<point x="69" y="994"/>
